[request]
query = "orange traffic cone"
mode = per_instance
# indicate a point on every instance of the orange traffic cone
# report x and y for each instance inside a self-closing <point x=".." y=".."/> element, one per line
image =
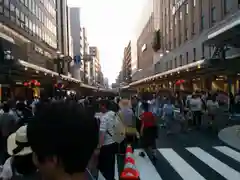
<point x="130" y="172"/>
<point x="129" y="149"/>
<point x="129" y="158"/>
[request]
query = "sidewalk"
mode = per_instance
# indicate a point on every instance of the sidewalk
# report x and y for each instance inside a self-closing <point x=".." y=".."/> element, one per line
<point x="231" y="136"/>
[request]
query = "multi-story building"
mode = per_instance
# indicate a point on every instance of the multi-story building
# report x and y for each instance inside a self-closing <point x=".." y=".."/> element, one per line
<point x="63" y="37"/>
<point x="85" y="68"/>
<point x="95" y="65"/>
<point x="127" y="66"/>
<point x="76" y="34"/>
<point x="196" y="33"/>
<point x="29" y="30"/>
<point x="144" y="48"/>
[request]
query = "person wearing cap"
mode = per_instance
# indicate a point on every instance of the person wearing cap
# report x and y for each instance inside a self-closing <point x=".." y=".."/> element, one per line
<point x="63" y="137"/>
<point x="19" y="164"/>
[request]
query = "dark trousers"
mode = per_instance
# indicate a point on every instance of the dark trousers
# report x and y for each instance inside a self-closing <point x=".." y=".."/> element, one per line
<point x="106" y="163"/>
<point x="197" y="118"/>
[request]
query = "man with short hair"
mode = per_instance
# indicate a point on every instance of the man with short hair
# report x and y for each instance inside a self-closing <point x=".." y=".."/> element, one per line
<point x="63" y="137"/>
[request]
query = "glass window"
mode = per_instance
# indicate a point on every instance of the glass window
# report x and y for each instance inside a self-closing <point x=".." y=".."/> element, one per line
<point x="26" y="22"/>
<point x="187" y="8"/>
<point x="227" y="6"/>
<point x="33" y="7"/>
<point x="213" y="14"/>
<point x="34" y="28"/>
<point x="30" y="4"/>
<point x="12" y="7"/>
<point x="22" y="17"/>
<point x="30" y="25"/>
<point x="6" y="12"/>
<point x="194" y="3"/>
<point x="194" y="54"/>
<point x="180" y="15"/>
<point x="1" y="9"/>
<point x="17" y="13"/>
<point x="26" y="3"/>
<point x="6" y="3"/>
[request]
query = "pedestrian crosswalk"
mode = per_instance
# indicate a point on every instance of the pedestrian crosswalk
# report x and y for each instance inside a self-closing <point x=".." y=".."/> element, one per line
<point x="190" y="163"/>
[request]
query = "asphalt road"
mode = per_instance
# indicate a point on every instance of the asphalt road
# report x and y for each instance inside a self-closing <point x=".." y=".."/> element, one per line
<point x="197" y="155"/>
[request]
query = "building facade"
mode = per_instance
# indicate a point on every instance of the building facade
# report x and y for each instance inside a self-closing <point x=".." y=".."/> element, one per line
<point x="29" y="30"/>
<point x="144" y="48"/>
<point x="185" y="26"/>
<point x="95" y="66"/>
<point x="127" y="66"/>
<point x="76" y="34"/>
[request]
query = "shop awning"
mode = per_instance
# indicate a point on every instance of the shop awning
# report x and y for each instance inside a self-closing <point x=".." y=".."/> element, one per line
<point x="176" y="70"/>
<point x="226" y="32"/>
<point x="44" y="70"/>
<point x="7" y="38"/>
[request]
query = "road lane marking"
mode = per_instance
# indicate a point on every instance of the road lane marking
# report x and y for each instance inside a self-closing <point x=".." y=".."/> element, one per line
<point x="180" y="165"/>
<point x="221" y="168"/>
<point x="116" y="173"/>
<point x="145" y="167"/>
<point x="228" y="152"/>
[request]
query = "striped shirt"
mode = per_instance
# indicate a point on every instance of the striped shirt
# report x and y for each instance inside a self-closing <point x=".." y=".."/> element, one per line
<point x="106" y="125"/>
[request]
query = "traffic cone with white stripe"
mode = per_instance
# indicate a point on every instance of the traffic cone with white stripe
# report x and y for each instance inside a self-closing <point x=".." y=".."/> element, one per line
<point x="130" y="171"/>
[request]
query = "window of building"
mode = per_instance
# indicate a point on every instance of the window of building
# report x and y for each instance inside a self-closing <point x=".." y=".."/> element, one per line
<point x="213" y="15"/>
<point x="186" y="34"/>
<point x="6" y="3"/>
<point x="6" y="12"/>
<point x="175" y="20"/>
<point x="180" y="39"/>
<point x="187" y="10"/>
<point x="22" y="1"/>
<point x="187" y="58"/>
<point x="180" y="15"/>
<point x="22" y="17"/>
<point x="30" y="4"/>
<point x="202" y="23"/>
<point x="30" y="25"/>
<point x="26" y="3"/>
<point x="194" y="54"/>
<point x="26" y="22"/>
<point x="194" y="3"/>
<point x="175" y="62"/>
<point x="227" y="6"/>
<point x="174" y="43"/>
<point x="1" y="9"/>
<point x="203" y="51"/>
<point x="193" y="28"/>
<point x="180" y="60"/>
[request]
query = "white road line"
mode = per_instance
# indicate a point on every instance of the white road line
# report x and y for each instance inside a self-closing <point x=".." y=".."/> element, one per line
<point x="223" y="169"/>
<point x="180" y="165"/>
<point x="145" y="167"/>
<point x="116" y="173"/>
<point x="229" y="152"/>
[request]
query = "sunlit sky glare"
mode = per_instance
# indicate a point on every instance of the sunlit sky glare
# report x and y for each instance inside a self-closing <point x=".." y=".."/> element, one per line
<point x="110" y="25"/>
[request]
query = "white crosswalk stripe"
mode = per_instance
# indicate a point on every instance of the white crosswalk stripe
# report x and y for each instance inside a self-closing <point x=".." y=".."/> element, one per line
<point x="180" y="166"/>
<point x="229" y="152"/>
<point x="215" y="164"/>
<point x="145" y="167"/>
<point x="184" y="168"/>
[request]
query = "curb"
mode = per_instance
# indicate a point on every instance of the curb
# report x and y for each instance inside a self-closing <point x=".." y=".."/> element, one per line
<point x="231" y="136"/>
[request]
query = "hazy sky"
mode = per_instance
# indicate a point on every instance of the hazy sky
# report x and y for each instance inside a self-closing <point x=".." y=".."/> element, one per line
<point x="110" y="25"/>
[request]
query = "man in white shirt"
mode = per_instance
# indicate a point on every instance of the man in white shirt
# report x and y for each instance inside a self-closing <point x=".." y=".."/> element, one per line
<point x="195" y="105"/>
<point x="108" y="147"/>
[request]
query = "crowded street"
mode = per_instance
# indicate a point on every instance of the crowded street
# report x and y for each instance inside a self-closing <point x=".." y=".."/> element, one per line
<point x="119" y="90"/>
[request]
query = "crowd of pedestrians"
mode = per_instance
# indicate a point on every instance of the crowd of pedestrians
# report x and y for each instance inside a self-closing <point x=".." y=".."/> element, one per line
<point x="70" y="138"/>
